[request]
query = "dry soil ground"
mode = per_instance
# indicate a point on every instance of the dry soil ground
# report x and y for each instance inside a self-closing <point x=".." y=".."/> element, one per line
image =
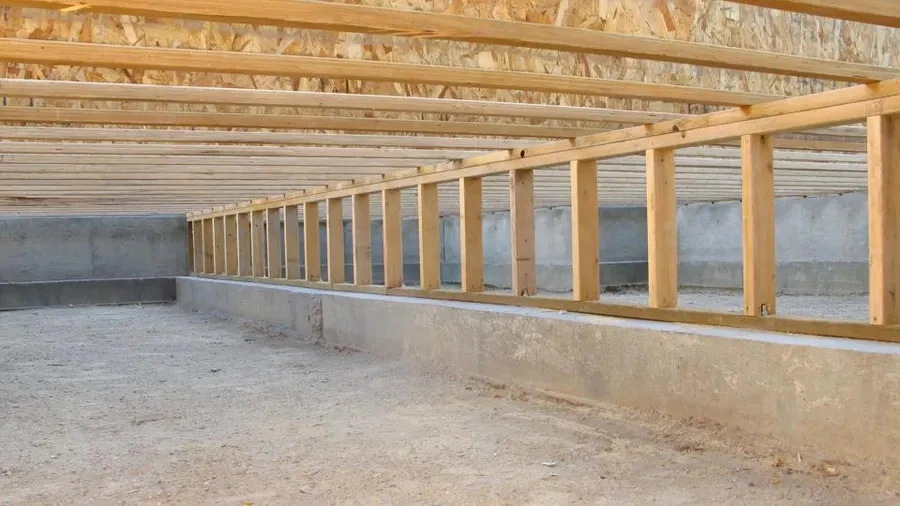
<point x="150" y="405"/>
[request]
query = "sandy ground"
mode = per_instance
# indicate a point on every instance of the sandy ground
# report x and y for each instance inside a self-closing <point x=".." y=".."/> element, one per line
<point x="150" y="405"/>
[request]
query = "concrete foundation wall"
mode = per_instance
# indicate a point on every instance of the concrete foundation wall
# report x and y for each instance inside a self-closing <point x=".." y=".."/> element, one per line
<point x="52" y="248"/>
<point x="840" y="396"/>
<point x="821" y="244"/>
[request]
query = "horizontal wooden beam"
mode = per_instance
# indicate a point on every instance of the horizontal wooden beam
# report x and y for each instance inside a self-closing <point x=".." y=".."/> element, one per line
<point x="233" y="62"/>
<point x="877" y="12"/>
<point x="407" y="23"/>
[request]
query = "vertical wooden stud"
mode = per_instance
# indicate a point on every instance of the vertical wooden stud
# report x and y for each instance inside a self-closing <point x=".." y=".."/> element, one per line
<point x="392" y="238"/>
<point x="291" y="243"/>
<point x="198" y="245"/>
<point x="884" y="219"/>
<point x="470" y="241"/>
<point x="662" y="233"/>
<point x="521" y="206"/>
<point x="334" y="226"/>
<point x="244" y="246"/>
<point x="429" y="238"/>
<point x="257" y="240"/>
<point x="273" y="242"/>
<point x="219" y="244"/>
<point x="231" y="245"/>
<point x="362" y="240"/>
<point x="311" y="241"/>
<point x="758" y="219"/>
<point x="191" y="246"/>
<point x="585" y="231"/>
<point x="208" y="266"/>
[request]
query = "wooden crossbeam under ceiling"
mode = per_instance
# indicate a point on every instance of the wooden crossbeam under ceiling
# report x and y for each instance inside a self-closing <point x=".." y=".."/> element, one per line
<point x="406" y="23"/>
<point x="877" y="12"/>
<point x="233" y="62"/>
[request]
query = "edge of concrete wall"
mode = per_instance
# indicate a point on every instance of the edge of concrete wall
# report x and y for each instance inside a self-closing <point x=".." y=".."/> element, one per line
<point x="80" y="292"/>
<point x="840" y="396"/>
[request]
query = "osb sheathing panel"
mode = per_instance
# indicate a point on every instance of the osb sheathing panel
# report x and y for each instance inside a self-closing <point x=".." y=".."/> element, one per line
<point x="707" y="21"/>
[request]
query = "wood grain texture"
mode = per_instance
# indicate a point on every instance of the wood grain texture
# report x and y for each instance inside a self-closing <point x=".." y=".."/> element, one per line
<point x="585" y="231"/>
<point x="291" y="242"/>
<point x="884" y="219"/>
<point x="311" y="255"/>
<point x="362" y="240"/>
<point x="662" y="229"/>
<point x="392" y="240"/>
<point x="471" y="243"/>
<point x="521" y="196"/>
<point x="758" y="219"/>
<point x="334" y="232"/>
<point x="429" y="237"/>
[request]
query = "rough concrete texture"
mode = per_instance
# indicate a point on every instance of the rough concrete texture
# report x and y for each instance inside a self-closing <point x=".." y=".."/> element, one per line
<point x="821" y="244"/>
<point x="50" y="248"/>
<point x="86" y="291"/>
<point x="840" y="396"/>
<point x="153" y="405"/>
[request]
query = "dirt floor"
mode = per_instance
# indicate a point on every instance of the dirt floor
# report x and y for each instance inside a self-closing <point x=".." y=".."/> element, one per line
<point x="150" y="405"/>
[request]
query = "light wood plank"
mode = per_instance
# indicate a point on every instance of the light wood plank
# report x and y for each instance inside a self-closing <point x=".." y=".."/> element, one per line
<point x="311" y="255"/>
<point x="208" y="259"/>
<point x="257" y="243"/>
<point x="878" y="12"/>
<point x="429" y="237"/>
<point x="521" y="196"/>
<point x="244" y="232"/>
<point x="392" y="239"/>
<point x="471" y="241"/>
<point x="758" y="219"/>
<point x="192" y="246"/>
<point x="585" y="231"/>
<point x="219" y="244"/>
<point x="662" y="231"/>
<point x="362" y="240"/>
<point x="231" y="245"/>
<point x="884" y="219"/>
<point x="273" y="242"/>
<point x="291" y="243"/>
<point x="334" y="226"/>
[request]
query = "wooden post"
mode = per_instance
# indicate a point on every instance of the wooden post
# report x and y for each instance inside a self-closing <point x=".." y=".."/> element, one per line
<point x="198" y="246"/>
<point x="392" y="238"/>
<point x="521" y="206"/>
<point x="208" y="266"/>
<point x="662" y="232"/>
<point x="231" y="245"/>
<point x="334" y="226"/>
<point x="471" y="246"/>
<point x="244" y="245"/>
<point x="884" y="219"/>
<point x="758" y="219"/>
<point x="311" y="241"/>
<point x="585" y="231"/>
<point x="273" y="242"/>
<point x="219" y="244"/>
<point x="257" y="238"/>
<point x="291" y="243"/>
<point x="362" y="240"/>
<point x="429" y="238"/>
<point x="191" y="246"/>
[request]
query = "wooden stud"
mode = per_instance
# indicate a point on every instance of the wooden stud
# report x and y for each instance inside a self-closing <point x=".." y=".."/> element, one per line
<point x="257" y="241"/>
<point x="470" y="240"/>
<point x="334" y="226"/>
<point x="362" y="240"/>
<point x="429" y="237"/>
<point x="219" y="244"/>
<point x="273" y="242"/>
<point x="291" y="242"/>
<point x="884" y="219"/>
<point x="521" y="205"/>
<point x="585" y="231"/>
<point x="208" y="266"/>
<point x="392" y="239"/>
<point x="312" y="262"/>
<point x="662" y="232"/>
<point x="244" y="246"/>
<point x="758" y="219"/>
<point x="191" y="246"/>
<point x="231" y="245"/>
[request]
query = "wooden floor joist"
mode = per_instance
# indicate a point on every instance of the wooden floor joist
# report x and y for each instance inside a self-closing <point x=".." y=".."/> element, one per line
<point x="879" y="12"/>
<point x="365" y="19"/>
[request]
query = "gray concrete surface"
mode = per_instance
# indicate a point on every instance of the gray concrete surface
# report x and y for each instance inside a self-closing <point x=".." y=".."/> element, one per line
<point x="841" y="397"/>
<point x="52" y="248"/>
<point x="821" y="244"/>
<point x="80" y="292"/>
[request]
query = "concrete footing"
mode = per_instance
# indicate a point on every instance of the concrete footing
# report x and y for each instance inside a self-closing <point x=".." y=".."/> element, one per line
<point x="86" y="291"/>
<point x="840" y="396"/>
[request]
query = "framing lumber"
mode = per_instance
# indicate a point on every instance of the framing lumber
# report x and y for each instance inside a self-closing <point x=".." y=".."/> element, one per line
<point x="291" y="242"/>
<point x="244" y="232"/>
<point x="231" y="245"/>
<point x="311" y="255"/>
<point x="392" y="240"/>
<point x="884" y="219"/>
<point x="429" y="237"/>
<point x="273" y="242"/>
<point x="334" y="228"/>
<point x="207" y="246"/>
<point x="257" y="240"/>
<point x="230" y="62"/>
<point x="877" y="12"/>
<point x="585" y="231"/>
<point x="521" y="196"/>
<point x="471" y="246"/>
<point x="662" y="230"/>
<point x="364" y="19"/>
<point x="362" y="239"/>
<point x="758" y="219"/>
